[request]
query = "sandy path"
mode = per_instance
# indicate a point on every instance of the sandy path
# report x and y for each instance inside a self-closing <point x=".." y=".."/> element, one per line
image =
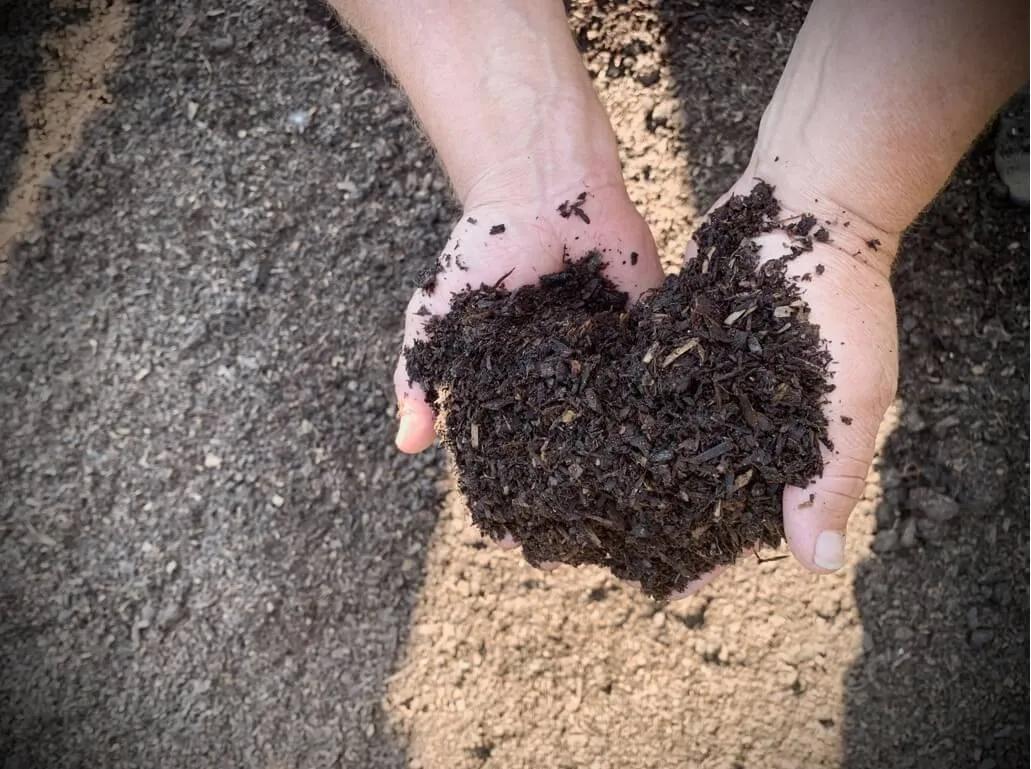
<point x="76" y="59"/>
<point x="510" y="667"/>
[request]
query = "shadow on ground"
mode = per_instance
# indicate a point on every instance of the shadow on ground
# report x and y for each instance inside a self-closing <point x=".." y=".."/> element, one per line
<point x="944" y="603"/>
<point x="22" y="24"/>
<point x="205" y="525"/>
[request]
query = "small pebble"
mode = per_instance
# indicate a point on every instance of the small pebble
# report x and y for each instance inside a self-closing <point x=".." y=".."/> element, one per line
<point x="222" y="44"/>
<point x="907" y="538"/>
<point x="933" y="504"/>
<point x="663" y="112"/>
<point x="981" y="637"/>
<point x="648" y="78"/>
<point x="169" y="615"/>
<point x="299" y="119"/>
<point x="886" y="541"/>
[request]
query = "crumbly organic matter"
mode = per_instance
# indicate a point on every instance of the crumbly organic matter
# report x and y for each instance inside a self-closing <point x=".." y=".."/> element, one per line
<point x="655" y="439"/>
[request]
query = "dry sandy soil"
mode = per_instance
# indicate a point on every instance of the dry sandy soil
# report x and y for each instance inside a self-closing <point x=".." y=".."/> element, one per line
<point x="211" y="555"/>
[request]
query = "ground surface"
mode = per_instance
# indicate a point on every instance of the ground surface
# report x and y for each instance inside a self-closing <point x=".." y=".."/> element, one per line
<point x="210" y="554"/>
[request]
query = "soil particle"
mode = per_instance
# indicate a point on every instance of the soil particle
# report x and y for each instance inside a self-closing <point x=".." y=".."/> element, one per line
<point x="802" y="225"/>
<point x="933" y="504"/>
<point x="497" y="229"/>
<point x="654" y="439"/>
<point x="221" y="45"/>
<point x="427" y="277"/>
<point x="886" y="541"/>
<point x="567" y="208"/>
<point x="648" y="78"/>
<point x="981" y="638"/>
<point x="907" y="537"/>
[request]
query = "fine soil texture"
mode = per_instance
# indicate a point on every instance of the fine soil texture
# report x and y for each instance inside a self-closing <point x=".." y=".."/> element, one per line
<point x="653" y="439"/>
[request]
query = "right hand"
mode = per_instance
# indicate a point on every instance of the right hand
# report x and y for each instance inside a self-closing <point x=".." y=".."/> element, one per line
<point x="845" y="281"/>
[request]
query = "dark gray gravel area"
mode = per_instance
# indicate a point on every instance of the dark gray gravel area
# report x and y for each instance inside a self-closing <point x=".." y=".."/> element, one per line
<point x="209" y="545"/>
<point x="943" y="678"/>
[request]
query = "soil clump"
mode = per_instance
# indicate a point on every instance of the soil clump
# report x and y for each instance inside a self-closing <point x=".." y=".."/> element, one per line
<point x="654" y="439"/>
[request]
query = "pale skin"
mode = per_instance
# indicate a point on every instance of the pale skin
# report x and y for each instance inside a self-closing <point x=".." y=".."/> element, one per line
<point x="877" y="103"/>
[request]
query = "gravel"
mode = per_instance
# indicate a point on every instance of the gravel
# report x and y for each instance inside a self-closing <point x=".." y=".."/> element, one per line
<point x="205" y="523"/>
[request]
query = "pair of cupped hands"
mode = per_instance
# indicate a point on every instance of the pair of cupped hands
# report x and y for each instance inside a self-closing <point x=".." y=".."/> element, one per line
<point x="851" y="302"/>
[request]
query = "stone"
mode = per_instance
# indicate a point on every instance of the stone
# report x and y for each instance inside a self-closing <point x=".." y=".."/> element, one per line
<point x="981" y="637"/>
<point x="907" y="537"/>
<point x="886" y="541"/>
<point x="222" y="44"/>
<point x="933" y="504"/>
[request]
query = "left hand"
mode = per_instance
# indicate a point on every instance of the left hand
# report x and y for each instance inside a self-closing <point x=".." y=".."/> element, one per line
<point x="536" y="240"/>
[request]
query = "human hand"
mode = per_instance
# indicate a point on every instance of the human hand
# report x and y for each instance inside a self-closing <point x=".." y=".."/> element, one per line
<point x="844" y="278"/>
<point x="856" y="126"/>
<point x="501" y="91"/>
<point x="515" y="240"/>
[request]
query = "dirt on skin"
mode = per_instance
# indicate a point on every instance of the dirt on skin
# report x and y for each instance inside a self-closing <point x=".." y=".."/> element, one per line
<point x="653" y="439"/>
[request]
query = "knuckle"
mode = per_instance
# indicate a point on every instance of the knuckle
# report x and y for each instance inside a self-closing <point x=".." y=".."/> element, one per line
<point x="842" y="485"/>
<point x="838" y="498"/>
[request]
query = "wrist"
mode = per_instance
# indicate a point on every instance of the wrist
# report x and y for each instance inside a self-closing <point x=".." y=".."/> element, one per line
<point x="801" y="187"/>
<point x="542" y="152"/>
<point x="500" y="89"/>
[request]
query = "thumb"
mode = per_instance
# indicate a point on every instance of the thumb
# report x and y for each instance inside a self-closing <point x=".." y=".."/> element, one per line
<point x="415" y="417"/>
<point x="864" y="378"/>
<point x="815" y="517"/>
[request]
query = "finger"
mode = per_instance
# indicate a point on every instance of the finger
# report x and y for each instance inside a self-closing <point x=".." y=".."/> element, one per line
<point x="861" y="337"/>
<point x="815" y="518"/>
<point x="415" y="417"/>
<point x="695" y="585"/>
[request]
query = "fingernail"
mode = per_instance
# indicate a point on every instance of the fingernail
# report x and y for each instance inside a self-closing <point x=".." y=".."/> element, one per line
<point x="829" y="552"/>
